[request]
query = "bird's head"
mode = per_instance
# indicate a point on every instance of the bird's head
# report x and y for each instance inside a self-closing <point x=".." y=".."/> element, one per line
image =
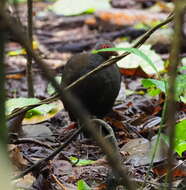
<point x="104" y="45"/>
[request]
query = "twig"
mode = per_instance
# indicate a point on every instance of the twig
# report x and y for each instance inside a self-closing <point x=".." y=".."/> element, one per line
<point x="29" y="140"/>
<point x="45" y="160"/>
<point x="29" y="58"/>
<point x="156" y="145"/>
<point x="172" y="169"/>
<point x="3" y="128"/>
<point x="22" y="71"/>
<point x="58" y="182"/>
<point x="157" y="185"/>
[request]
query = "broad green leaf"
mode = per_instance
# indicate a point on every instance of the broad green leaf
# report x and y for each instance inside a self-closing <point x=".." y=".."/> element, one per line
<point x="82" y="185"/>
<point x="81" y="162"/>
<point x="14" y="103"/>
<point x="180" y="147"/>
<point x="40" y="110"/>
<point x="180" y="86"/>
<point x="42" y="113"/>
<point x="180" y="137"/>
<point x="76" y="7"/>
<point x="149" y="61"/>
<point x="181" y="130"/>
<point x="37" y="114"/>
<point x="151" y="83"/>
<point x="139" y="58"/>
<point x="153" y="91"/>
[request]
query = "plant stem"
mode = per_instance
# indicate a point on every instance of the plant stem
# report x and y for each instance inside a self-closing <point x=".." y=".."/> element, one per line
<point x="29" y="58"/>
<point x="171" y="102"/>
<point x="3" y="128"/>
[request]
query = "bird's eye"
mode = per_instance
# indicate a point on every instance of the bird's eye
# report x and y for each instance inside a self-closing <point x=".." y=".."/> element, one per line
<point x="105" y="46"/>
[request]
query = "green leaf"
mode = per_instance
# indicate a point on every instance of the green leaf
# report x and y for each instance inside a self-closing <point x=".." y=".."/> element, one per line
<point x="82" y="185"/>
<point x="154" y="91"/>
<point x="15" y="103"/>
<point x="150" y="65"/>
<point x="138" y="53"/>
<point x="181" y="86"/>
<point x="182" y="68"/>
<point x="42" y="113"/>
<point x="180" y="137"/>
<point x="151" y="83"/>
<point x="181" y="130"/>
<point x="81" y="162"/>
<point x="180" y="147"/>
<point x="40" y="110"/>
<point x="76" y="7"/>
<point x="50" y="88"/>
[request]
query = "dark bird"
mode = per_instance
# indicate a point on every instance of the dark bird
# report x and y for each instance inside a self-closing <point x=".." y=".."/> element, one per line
<point x="98" y="91"/>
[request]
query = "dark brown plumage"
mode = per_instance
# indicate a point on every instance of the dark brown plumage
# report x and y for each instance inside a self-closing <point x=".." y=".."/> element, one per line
<point x="98" y="91"/>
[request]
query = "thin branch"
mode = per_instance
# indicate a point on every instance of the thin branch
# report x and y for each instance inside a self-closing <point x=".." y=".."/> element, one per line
<point x="30" y="140"/>
<point x="29" y="58"/>
<point x="3" y="128"/>
<point x="51" y="156"/>
<point x="171" y="102"/>
<point x="58" y="182"/>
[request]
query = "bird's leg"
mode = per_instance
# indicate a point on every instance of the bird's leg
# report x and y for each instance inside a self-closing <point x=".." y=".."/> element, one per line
<point x="107" y="133"/>
<point x="105" y="130"/>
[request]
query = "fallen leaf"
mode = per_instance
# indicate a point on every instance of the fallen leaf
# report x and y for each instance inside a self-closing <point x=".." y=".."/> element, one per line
<point x="140" y="151"/>
<point x="16" y="157"/>
<point x="162" y="170"/>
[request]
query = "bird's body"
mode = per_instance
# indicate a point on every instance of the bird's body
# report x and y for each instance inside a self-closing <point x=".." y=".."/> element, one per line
<point x="98" y="91"/>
